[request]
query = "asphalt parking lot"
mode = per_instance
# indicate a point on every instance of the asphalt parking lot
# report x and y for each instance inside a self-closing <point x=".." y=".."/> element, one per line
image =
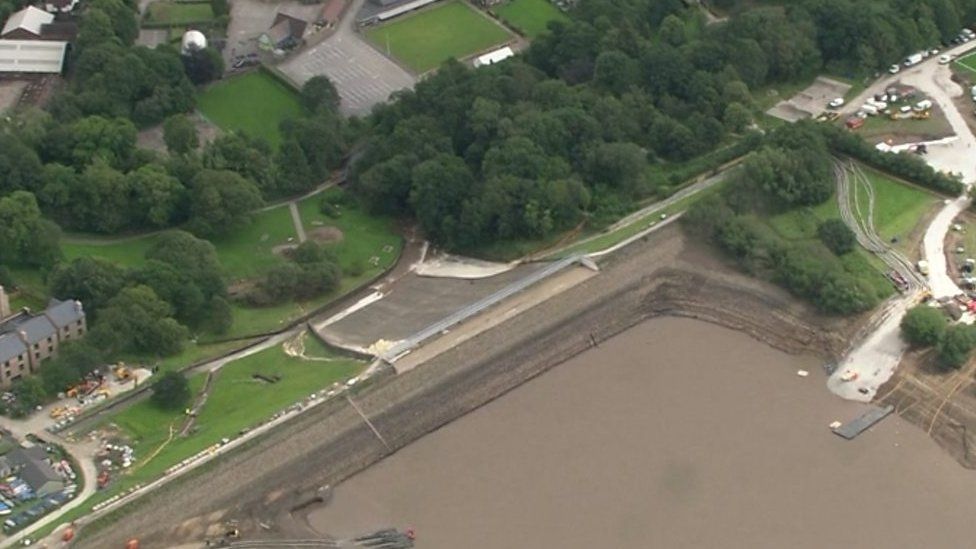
<point x="362" y="75"/>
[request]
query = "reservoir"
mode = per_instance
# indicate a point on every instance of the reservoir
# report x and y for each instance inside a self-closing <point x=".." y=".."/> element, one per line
<point x="676" y="433"/>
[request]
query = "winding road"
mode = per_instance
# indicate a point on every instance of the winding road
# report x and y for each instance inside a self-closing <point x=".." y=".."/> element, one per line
<point x="873" y="359"/>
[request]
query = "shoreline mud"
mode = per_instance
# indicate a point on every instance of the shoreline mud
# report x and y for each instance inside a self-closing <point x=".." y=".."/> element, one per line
<point x="664" y="274"/>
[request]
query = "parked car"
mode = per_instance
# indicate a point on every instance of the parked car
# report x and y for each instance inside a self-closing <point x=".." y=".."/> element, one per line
<point x="836" y="102"/>
<point x="894" y="69"/>
<point x="945" y="59"/>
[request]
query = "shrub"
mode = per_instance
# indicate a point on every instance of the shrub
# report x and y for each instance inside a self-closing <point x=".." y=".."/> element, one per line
<point x="956" y="344"/>
<point x="923" y="326"/>
<point x="837" y="236"/>
<point x="171" y="392"/>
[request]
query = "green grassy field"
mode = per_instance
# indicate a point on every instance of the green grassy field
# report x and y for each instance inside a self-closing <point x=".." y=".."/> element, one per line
<point x="127" y="253"/>
<point x="530" y="16"/>
<point x="898" y="208"/>
<point x="424" y="40"/>
<point x="368" y="242"/>
<point x="934" y="127"/>
<point x="243" y="254"/>
<point x="175" y="13"/>
<point x="254" y="103"/>
<point x="800" y="225"/>
<point x="237" y="401"/>
<point x="250" y="251"/>
<point x="968" y="61"/>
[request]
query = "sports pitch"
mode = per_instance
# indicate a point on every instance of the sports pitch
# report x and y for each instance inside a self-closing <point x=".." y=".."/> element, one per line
<point x="424" y="40"/>
<point x="968" y="61"/>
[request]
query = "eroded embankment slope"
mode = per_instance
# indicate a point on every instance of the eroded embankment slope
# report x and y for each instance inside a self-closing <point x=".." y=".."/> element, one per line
<point x="664" y="274"/>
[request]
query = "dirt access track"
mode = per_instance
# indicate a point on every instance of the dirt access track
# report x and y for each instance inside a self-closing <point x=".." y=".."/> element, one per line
<point x="265" y="483"/>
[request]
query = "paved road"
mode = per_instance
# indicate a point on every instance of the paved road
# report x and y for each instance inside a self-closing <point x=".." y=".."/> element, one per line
<point x="296" y="218"/>
<point x="875" y="358"/>
<point x="362" y="75"/>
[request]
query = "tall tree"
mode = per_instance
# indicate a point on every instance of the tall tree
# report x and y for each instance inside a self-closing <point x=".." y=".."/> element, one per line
<point x="180" y="134"/>
<point x="25" y="237"/>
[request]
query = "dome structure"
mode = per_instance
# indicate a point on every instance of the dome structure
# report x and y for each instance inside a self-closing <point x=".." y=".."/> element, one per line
<point x="193" y="40"/>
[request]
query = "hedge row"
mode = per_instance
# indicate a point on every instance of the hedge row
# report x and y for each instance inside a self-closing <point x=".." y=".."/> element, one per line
<point x="905" y="166"/>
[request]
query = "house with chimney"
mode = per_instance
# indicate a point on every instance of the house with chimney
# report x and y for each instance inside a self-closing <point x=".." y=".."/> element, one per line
<point x="28" y="339"/>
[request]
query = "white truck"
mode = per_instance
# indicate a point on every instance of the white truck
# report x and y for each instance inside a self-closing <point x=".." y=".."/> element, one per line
<point x="913" y="59"/>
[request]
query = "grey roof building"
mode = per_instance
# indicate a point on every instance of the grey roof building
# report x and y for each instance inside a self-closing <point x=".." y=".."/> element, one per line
<point x="11" y="347"/>
<point x="31" y="464"/>
<point x="26" y="339"/>
<point x="65" y="314"/>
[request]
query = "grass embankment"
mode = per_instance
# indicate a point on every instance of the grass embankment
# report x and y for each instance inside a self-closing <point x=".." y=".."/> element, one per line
<point x="237" y="401"/>
<point x="529" y="16"/>
<point x="900" y="210"/>
<point x="424" y="40"/>
<point x="800" y="226"/>
<point x="254" y="103"/>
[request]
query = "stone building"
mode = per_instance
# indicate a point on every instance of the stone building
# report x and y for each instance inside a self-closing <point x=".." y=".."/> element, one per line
<point x="27" y="339"/>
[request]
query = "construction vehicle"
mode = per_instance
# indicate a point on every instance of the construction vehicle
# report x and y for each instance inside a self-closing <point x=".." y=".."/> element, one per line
<point x="122" y="373"/>
<point x="103" y="479"/>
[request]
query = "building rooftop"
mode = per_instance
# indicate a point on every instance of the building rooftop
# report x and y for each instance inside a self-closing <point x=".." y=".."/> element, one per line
<point x="36" y="329"/>
<point x="33" y="56"/>
<point x="33" y="465"/>
<point x="30" y="19"/>
<point x="64" y="313"/>
<point x="11" y="347"/>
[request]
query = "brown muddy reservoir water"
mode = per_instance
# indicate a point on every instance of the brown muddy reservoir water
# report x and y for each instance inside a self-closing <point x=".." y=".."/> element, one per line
<point x="675" y="434"/>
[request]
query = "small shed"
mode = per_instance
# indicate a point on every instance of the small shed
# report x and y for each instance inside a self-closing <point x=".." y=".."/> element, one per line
<point x="493" y="57"/>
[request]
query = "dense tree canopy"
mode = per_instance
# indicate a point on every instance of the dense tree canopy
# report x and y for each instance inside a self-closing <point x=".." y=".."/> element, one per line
<point x="171" y="392"/>
<point x="25" y="237"/>
<point x="956" y="345"/>
<point x="837" y="236"/>
<point x="138" y="321"/>
<point x="923" y="326"/>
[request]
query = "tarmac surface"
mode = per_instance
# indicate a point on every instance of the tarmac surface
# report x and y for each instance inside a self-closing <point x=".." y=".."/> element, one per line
<point x="362" y="75"/>
<point x="412" y="304"/>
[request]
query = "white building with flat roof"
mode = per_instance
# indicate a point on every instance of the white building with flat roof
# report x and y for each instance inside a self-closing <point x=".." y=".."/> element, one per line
<point x="32" y="56"/>
<point x="493" y="57"/>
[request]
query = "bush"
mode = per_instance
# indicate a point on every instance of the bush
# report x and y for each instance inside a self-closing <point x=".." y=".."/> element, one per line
<point x="923" y="326"/>
<point x="171" y="392"/>
<point x="836" y="236"/>
<point x="956" y="344"/>
<point x="329" y="209"/>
